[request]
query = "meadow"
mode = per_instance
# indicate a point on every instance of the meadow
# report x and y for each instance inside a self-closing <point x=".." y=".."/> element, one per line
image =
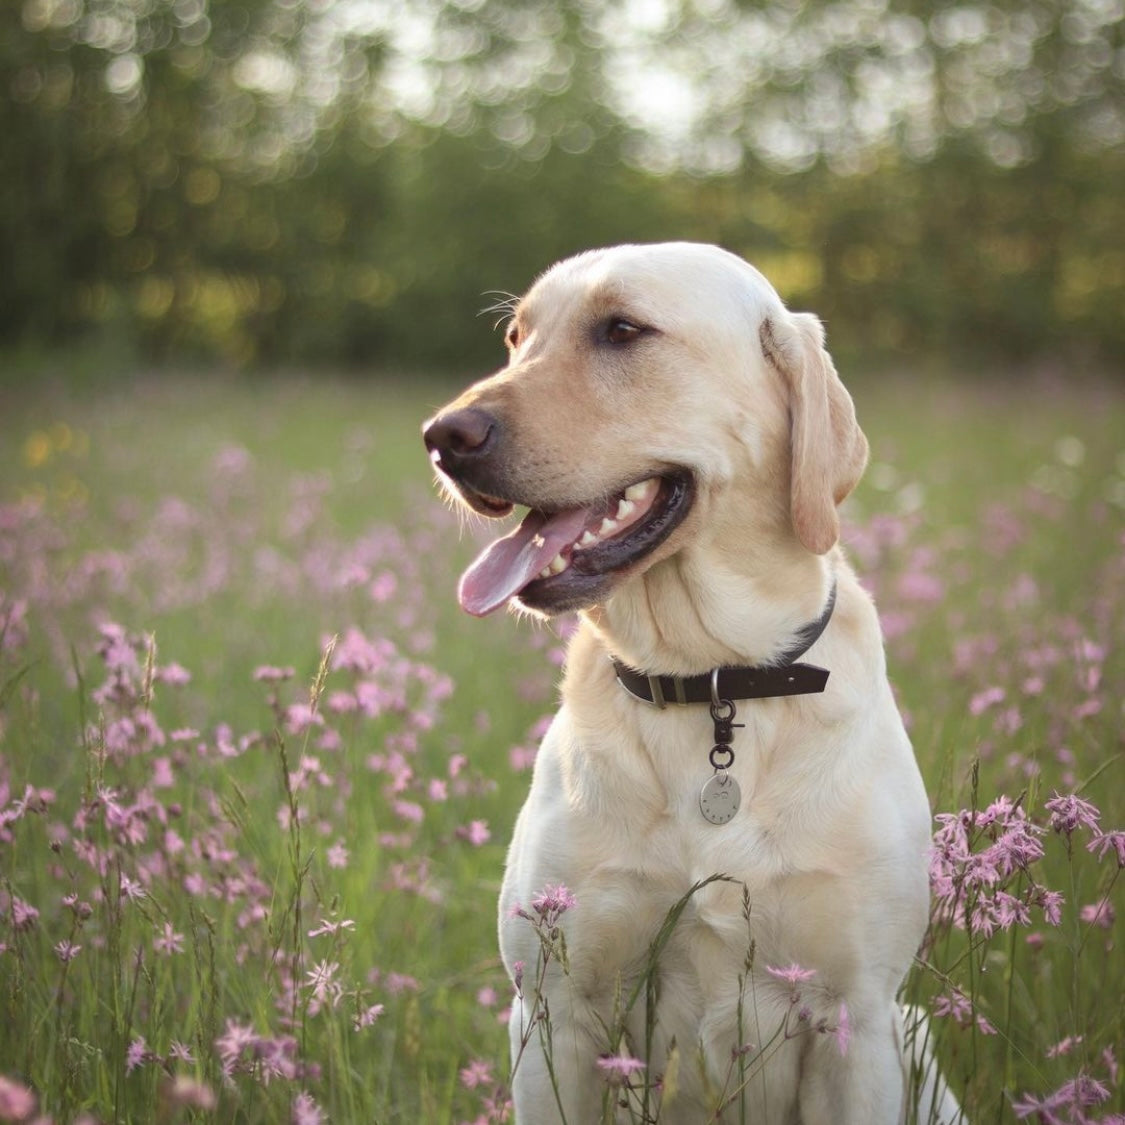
<point x="257" y="771"/>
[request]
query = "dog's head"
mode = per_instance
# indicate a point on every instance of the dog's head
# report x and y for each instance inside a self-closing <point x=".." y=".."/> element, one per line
<point x="653" y="395"/>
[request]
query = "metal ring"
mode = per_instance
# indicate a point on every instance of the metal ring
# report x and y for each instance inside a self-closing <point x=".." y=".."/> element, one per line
<point x="718" y="716"/>
<point x="720" y="749"/>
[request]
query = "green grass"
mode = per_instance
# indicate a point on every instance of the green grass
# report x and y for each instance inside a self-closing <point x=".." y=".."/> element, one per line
<point x="990" y="528"/>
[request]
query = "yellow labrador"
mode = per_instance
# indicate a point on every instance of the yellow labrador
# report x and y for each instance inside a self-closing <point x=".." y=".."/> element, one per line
<point x="682" y="442"/>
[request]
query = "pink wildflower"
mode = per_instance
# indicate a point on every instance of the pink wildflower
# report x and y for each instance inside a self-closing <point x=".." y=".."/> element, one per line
<point x="1007" y="910"/>
<point x="35" y="800"/>
<point x="553" y="900"/>
<point x="300" y="717"/>
<point x="326" y="927"/>
<point x="169" y="941"/>
<point x="67" y="951"/>
<point x="268" y="674"/>
<point x="400" y="982"/>
<point x="959" y="1007"/>
<point x="162" y="775"/>
<point x="1087" y="709"/>
<point x="477" y="1073"/>
<point x="383" y="587"/>
<point x="551" y="903"/>
<point x="131" y="889"/>
<point x="920" y="586"/>
<point x="235" y="1040"/>
<point x="1051" y="903"/>
<point x="137" y="1055"/>
<point x="186" y="1091"/>
<point x="180" y="1051"/>
<point x="277" y="1057"/>
<point x="232" y="460"/>
<point x="1076" y="1094"/>
<point x="1017" y="847"/>
<point x="792" y="974"/>
<point x="1105" y="842"/>
<point x="305" y="1110"/>
<point x="985" y="699"/>
<point x="522" y="757"/>
<point x="24" y="915"/>
<point x="367" y="1016"/>
<point x="410" y="811"/>
<point x="175" y="675"/>
<point x="322" y="979"/>
<point x="341" y="702"/>
<point x="1071" y="812"/>
<point x="17" y="1102"/>
<point x="618" y="1070"/>
<point x="955" y="1004"/>
<point x="338" y="856"/>
<point x="1008" y="721"/>
<point x="475" y="832"/>
<point x="13" y="623"/>
<point x="355" y="653"/>
<point x="1099" y="914"/>
<point x="116" y="649"/>
<point x="1064" y="1046"/>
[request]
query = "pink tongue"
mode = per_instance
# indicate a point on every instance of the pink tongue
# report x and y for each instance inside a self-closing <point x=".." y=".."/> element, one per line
<point x="504" y="567"/>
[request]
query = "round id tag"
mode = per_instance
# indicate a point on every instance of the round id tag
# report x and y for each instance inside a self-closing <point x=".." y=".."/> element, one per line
<point x="719" y="798"/>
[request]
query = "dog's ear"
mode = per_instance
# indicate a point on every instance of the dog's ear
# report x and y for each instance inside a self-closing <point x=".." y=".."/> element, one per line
<point x="829" y="450"/>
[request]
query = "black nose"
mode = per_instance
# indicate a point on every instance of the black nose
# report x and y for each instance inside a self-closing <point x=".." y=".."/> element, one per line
<point x="461" y="436"/>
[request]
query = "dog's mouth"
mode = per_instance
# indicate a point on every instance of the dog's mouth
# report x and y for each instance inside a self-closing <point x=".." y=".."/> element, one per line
<point x="558" y="560"/>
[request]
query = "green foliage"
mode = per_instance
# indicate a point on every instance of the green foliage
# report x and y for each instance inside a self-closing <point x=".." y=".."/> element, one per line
<point x="245" y="528"/>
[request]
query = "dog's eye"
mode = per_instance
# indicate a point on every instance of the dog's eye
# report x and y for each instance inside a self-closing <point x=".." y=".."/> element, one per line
<point x="619" y="331"/>
<point x="512" y="336"/>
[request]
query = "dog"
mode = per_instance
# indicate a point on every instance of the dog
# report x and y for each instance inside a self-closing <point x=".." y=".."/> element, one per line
<point x="726" y="805"/>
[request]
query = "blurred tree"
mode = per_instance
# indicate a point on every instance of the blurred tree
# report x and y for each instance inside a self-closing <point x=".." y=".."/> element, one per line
<point x="137" y="138"/>
<point x="276" y="181"/>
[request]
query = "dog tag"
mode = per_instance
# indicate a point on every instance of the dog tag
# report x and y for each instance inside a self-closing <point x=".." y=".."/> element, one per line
<point x="719" y="798"/>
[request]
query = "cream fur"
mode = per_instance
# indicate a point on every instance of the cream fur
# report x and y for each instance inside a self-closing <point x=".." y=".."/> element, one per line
<point x="831" y="839"/>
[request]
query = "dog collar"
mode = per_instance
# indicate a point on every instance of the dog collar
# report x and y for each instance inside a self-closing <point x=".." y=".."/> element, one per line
<point x="764" y="681"/>
<point x="720" y="797"/>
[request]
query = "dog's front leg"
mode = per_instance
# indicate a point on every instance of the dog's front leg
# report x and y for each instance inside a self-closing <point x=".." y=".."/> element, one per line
<point x="854" y="1081"/>
<point x="555" y="1077"/>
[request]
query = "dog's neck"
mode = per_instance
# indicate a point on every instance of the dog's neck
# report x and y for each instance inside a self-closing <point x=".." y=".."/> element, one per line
<point x="712" y="613"/>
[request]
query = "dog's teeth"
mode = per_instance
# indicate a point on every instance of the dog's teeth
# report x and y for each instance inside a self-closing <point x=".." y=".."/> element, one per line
<point x="608" y="527"/>
<point x="558" y="565"/>
<point x="588" y="539"/>
<point x="640" y="490"/>
<point x="625" y="508"/>
<point x="545" y="572"/>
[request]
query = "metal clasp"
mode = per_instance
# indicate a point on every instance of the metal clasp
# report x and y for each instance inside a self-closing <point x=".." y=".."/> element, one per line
<point x="722" y="715"/>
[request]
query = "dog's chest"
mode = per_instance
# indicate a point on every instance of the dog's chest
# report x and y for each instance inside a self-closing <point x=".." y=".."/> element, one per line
<point x="719" y="799"/>
<point x="636" y="803"/>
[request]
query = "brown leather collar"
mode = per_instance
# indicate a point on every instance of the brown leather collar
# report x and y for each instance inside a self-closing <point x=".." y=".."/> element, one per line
<point x="767" y="681"/>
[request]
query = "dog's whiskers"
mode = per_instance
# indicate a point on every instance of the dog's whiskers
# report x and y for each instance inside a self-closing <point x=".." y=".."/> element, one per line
<point x="505" y="305"/>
